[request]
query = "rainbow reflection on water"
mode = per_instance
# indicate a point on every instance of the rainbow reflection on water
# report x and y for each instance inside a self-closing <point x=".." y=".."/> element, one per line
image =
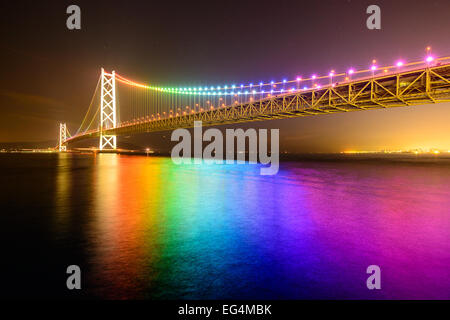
<point x="142" y="227"/>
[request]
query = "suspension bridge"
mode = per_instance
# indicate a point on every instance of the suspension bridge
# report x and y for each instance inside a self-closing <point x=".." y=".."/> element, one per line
<point x="120" y="106"/>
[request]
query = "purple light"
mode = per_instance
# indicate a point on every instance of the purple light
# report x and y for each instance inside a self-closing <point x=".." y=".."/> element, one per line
<point x="299" y="78"/>
<point x="399" y="64"/>
<point x="373" y="68"/>
<point x="284" y="80"/>
<point x="331" y="74"/>
<point x="429" y="59"/>
<point x="351" y="71"/>
<point x="313" y="76"/>
<point x="260" y="83"/>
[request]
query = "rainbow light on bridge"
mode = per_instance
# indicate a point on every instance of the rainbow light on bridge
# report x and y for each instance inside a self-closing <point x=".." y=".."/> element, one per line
<point x="228" y="90"/>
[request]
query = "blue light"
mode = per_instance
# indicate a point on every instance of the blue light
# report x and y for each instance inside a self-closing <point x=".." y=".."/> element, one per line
<point x="284" y="80"/>
<point x="260" y="83"/>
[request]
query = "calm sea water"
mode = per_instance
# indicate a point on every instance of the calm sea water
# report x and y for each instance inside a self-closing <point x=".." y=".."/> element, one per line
<point x="142" y="227"/>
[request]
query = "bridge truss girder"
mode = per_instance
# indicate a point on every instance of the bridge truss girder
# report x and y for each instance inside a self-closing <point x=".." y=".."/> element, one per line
<point x="430" y="85"/>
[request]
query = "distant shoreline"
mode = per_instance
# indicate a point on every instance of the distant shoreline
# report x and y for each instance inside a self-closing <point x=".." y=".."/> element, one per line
<point x="366" y="157"/>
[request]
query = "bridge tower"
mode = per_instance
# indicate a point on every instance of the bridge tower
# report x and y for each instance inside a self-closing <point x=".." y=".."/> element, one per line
<point x="108" y="110"/>
<point x="62" y="137"/>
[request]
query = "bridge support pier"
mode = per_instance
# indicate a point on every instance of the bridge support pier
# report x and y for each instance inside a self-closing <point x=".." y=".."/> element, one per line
<point x="108" y="110"/>
<point x="108" y="142"/>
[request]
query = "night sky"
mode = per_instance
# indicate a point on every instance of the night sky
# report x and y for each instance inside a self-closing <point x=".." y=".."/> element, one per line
<point x="49" y="72"/>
